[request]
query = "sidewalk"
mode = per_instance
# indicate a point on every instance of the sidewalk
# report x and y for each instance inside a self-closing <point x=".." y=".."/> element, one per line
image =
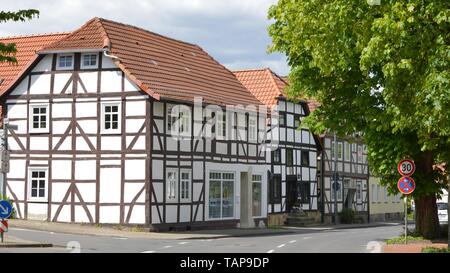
<point x="415" y="247"/>
<point x="130" y="232"/>
<point x="10" y="241"/>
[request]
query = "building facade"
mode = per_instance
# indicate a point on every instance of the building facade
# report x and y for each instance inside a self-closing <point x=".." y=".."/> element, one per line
<point x="110" y="131"/>
<point x="352" y="187"/>
<point x="293" y="182"/>
<point x="383" y="206"/>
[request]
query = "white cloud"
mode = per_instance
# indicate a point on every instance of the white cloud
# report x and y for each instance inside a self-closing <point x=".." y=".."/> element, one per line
<point x="233" y="31"/>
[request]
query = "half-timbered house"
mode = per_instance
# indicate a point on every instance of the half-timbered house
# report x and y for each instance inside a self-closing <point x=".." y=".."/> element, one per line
<point x="347" y="158"/>
<point x="293" y="164"/>
<point x="111" y="130"/>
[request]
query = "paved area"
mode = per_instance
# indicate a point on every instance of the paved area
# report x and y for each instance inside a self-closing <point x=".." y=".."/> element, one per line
<point x="301" y="240"/>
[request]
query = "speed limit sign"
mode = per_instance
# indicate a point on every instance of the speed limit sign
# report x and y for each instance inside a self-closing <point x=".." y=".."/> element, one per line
<point x="406" y="167"/>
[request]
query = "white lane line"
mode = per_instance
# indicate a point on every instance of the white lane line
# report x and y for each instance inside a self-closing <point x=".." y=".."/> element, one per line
<point x="293" y="241"/>
<point x="270" y="251"/>
<point x="167" y="246"/>
<point x="306" y="238"/>
<point x="280" y="246"/>
<point x="52" y="232"/>
<point x="121" y="238"/>
<point x="148" y="251"/>
<point x="182" y="243"/>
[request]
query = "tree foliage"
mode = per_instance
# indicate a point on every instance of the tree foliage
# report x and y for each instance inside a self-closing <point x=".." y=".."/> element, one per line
<point x="7" y="51"/>
<point x="379" y="70"/>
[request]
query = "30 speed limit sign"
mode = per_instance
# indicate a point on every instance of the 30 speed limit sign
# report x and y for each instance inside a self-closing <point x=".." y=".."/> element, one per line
<point x="406" y="167"/>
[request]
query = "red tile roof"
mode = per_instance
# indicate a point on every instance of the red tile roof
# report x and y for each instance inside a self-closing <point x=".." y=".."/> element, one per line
<point x="264" y="84"/>
<point x="160" y="66"/>
<point x="26" y="53"/>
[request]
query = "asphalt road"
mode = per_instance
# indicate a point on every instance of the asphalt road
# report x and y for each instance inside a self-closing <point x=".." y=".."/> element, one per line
<point x="355" y="240"/>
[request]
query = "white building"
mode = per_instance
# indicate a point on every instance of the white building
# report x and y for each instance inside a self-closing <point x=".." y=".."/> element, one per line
<point x="95" y="111"/>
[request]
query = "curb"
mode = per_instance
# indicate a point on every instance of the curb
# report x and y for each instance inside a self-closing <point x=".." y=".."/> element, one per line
<point x="25" y="245"/>
<point x="236" y="236"/>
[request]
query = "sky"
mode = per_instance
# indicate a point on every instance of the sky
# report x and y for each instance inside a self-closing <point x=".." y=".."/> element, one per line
<point x="234" y="32"/>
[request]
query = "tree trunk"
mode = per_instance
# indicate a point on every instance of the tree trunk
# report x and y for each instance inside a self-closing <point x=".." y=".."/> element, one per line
<point x="427" y="221"/>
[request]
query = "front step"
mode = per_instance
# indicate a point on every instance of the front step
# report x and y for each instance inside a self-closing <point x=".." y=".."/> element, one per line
<point x="300" y="220"/>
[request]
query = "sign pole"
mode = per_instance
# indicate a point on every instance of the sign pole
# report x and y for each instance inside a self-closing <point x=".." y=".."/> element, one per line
<point x="2" y="233"/>
<point x="406" y="219"/>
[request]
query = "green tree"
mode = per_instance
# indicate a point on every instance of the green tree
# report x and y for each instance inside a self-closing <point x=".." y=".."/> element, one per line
<point x="379" y="70"/>
<point x="7" y="51"/>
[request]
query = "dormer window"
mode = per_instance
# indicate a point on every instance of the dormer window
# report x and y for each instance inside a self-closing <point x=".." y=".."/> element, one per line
<point x="65" y="61"/>
<point x="89" y="60"/>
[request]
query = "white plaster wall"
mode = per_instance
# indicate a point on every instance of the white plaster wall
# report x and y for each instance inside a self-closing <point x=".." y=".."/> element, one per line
<point x="17" y="110"/>
<point x="155" y="217"/>
<point x="59" y="190"/>
<point x="134" y="169"/>
<point x="22" y="88"/>
<point x="64" y="215"/>
<point x="86" y="109"/>
<point x="111" y="143"/>
<point x="110" y="214"/>
<point x="133" y="125"/>
<point x="171" y="214"/>
<point x="37" y="211"/>
<point x="137" y="215"/>
<point x="185" y="213"/>
<point x="18" y="187"/>
<point x="158" y="188"/>
<point x="38" y="143"/>
<point x="17" y="168"/>
<point x="40" y="84"/>
<point x="87" y="191"/>
<point x="60" y="81"/>
<point x="85" y="169"/>
<point x="89" y="80"/>
<point x="111" y="81"/>
<point x="44" y="65"/>
<point x="61" y="169"/>
<point x="110" y="185"/>
<point x="131" y="190"/>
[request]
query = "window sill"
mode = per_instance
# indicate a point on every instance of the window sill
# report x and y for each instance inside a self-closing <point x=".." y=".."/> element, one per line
<point x="38" y="201"/>
<point x="112" y="133"/>
<point x="35" y="132"/>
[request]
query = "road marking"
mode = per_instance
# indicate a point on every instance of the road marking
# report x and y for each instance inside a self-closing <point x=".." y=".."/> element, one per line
<point x="52" y="232"/>
<point x="280" y="246"/>
<point x="293" y="241"/>
<point x="270" y="251"/>
<point x="121" y="238"/>
<point x="148" y="251"/>
<point x="182" y="243"/>
<point x="306" y="238"/>
<point x="167" y="246"/>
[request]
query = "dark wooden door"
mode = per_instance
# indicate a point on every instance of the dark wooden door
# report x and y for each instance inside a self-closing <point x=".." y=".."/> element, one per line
<point x="291" y="192"/>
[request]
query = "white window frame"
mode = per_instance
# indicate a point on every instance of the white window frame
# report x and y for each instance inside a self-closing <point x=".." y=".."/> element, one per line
<point x="65" y="67"/>
<point x="182" y="124"/>
<point x="221" y="195"/>
<point x="30" y="172"/>
<point x="221" y="125"/>
<point x="260" y="184"/>
<point x="172" y="193"/>
<point x="119" y="117"/>
<point x="83" y="66"/>
<point x="340" y="151"/>
<point x="252" y="128"/>
<point x="347" y="151"/>
<point x="189" y="185"/>
<point x="47" y="124"/>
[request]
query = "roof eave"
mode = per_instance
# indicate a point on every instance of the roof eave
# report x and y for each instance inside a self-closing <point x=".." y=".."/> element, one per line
<point x="62" y="51"/>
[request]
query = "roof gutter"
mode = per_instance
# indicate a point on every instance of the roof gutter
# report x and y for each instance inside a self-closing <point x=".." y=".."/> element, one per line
<point x="63" y="51"/>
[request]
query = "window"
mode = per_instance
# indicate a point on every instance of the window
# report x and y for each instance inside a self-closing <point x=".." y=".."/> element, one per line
<point x="347" y="151"/>
<point x="221" y="195"/>
<point x="275" y="189"/>
<point x="252" y="128"/>
<point x="256" y="195"/>
<point x="358" y="190"/>
<point x="360" y="154"/>
<point x="297" y="121"/>
<point x="111" y="117"/>
<point x="305" y="158"/>
<point x="185" y="185"/>
<point x="374" y="193"/>
<point x="37" y="183"/>
<point x="178" y="120"/>
<point x="89" y="60"/>
<point x="282" y="119"/>
<point x="276" y="156"/>
<point x="289" y="158"/>
<point x="65" y="61"/>
<point x="39" y="118"/>
<point x="338" y="190"/>
<point x="304" y="191"/>
<point x="221" y="125"/>
<point x="386" y="194"/>
<point x="172" y="185"/>
<point x="339" y="150"/>
<point x="378" y="195"/>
